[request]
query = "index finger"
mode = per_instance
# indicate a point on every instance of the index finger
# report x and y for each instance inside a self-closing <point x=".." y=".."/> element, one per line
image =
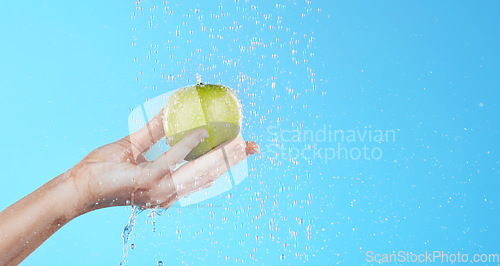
<point x="207" y="168"/>
<point x="148" y="135"/>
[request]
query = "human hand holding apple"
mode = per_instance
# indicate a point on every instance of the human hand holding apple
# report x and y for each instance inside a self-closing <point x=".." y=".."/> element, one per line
<point x="118" y="174"/>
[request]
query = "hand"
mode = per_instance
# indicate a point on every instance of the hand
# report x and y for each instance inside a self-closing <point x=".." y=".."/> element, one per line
<point x="117" y="174"/>
<point x="113" y="175"/>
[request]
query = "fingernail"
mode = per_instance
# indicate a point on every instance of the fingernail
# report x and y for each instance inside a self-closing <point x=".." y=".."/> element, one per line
<point x="255" y="150"/>
<point x="204" y="135"/>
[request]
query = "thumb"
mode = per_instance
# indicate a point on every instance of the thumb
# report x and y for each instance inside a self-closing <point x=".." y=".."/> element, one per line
<point x="175" y="155"/>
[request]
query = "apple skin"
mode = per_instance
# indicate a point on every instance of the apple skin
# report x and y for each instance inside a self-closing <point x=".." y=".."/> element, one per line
<point x="213" y="107"/>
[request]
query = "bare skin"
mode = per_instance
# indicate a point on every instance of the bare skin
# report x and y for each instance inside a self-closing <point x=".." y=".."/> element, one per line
<point x="115" y="175"/>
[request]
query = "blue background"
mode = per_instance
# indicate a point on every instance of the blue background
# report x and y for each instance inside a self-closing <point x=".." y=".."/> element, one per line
<point x="72" y="71"/>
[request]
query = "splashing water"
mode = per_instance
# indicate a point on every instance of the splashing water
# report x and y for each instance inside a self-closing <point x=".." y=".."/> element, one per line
<point x="127" y="231"/>
<point x="260" y="50"/>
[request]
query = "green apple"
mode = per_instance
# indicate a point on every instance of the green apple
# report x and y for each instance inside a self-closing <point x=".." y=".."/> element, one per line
<point x="213" y="107"/>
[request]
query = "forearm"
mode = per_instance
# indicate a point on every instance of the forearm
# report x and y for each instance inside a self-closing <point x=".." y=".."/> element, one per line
<point x="26" y="224"/>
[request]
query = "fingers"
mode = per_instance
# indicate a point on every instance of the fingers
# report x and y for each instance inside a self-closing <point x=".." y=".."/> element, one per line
<point x="205" y="170"/>
<point x="166" y="192"/>
<point x="252" y="148"/>
<point x="196" y="175"/>
<point x="147" y="136"/>
<point x="175" y="155"/>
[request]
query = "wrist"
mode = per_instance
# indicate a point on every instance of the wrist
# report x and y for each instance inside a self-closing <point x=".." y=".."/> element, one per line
<point x="91" y="191"/>
<point x="71" y="201"/>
